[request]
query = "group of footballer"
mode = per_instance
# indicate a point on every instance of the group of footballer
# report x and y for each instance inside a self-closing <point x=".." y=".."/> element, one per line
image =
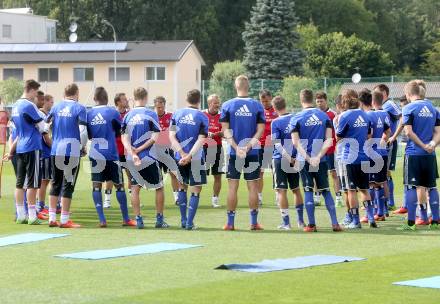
<point x="356" y="145"/>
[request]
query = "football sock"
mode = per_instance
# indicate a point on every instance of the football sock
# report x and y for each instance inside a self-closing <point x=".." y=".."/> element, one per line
<point x="300" y="213"/>
<point x="424" y="211"/>
<point x="391" y="190"/>
<point x="411" y="200"/>
<point x="107" y="194"/>
<point x="355" y="215"/>
<point x="97" y="199"/>
<point x="433" y="202"/>
<point x="380" y="199"/>
<point x="330" y="205"/>
<point x="369" y="206"/>
<point x="64" y="217"/>
<point x="285" y="216"/>
<point x="183" y="202"/>
<point x="52" y="214"/>
<point x="32" y="213"/>
<point x="21" y="213"/>
<point x="231" y="217"/>
<point x="310" y="206"/>
<point x="121" y="196"/>
<point x="192" y="209"/>
<point x="254" y="216"/>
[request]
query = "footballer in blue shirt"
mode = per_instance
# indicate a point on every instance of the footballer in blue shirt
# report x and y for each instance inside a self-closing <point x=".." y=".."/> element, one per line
<point x="376" y="149"/>
<point x="103" y="125"/>
<point x="422" y="126"/>
<point x="188" y="130"/>
<point x="140" y="130"/>
<point x="29" y="126"/>
<point x="285" y="175"/>
<point x="353" y="131"/>
<point x="69" y="137"/>
<point x="395" y="113"/>
<point x="243" y="123"/>
<point x="311" y="131"/>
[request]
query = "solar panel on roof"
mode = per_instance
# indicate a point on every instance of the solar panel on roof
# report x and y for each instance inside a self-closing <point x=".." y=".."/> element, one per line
<point x="63" y="47"/>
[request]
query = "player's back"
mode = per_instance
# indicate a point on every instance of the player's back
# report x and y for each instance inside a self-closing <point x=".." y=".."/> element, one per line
<point x="103" y="124"/>
<point x="139" y="124"/>
<point x="243" y="115"/>
<point x="24" y="116"/>
<point x="423" y="117"/>
<point x="394" y="113"/>
<point x="354" y="125"/>
<point x="281" y="134"/>
<point x="379" y="123"/>
<point x="311" y="125"/>
<point x="189" y="123"/>
<point x="66" y="117"/>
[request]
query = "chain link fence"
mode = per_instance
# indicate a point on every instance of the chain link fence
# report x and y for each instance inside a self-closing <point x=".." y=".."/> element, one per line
<point x="291" y="86"/>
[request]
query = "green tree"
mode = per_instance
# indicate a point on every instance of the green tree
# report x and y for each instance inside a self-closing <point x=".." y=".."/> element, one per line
<point x="334" y="55"/>
<point x="432" y="64"/>
<point x="222" y="78"/>
<point x="292" y="86"/>
<point x="271" y="40"/>
<point x="10" y="90"/>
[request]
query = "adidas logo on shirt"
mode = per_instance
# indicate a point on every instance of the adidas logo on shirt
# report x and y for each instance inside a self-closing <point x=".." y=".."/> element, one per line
<point x="65" y="112"/>
<point x="360" y="122"/>
<point x="379" y="123"/>
<point x="187" y="119"/>
<point x="313" y="121"/>
<point x="136" y="120"/>
<point x="287" y="130"/>
<point x="424" y="112"/>
<point x="243" y="111"/>
<point x="98" y="120"/>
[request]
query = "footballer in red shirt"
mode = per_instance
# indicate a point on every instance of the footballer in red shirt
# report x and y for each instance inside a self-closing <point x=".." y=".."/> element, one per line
<point x="266" y="150"/>
<point x="322" y="104"/>
<point x="214" y="153"/>
<point x="163" y="144"/>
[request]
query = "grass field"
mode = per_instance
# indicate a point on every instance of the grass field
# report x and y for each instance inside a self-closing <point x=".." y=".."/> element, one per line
<point x="30" y="274"/>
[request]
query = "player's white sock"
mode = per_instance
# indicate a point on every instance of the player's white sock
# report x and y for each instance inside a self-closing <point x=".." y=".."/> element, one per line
<point x="260" y="196"/>
<point x="52" y="214"/>
<point x="21" y="214"/>
<point x="107" y="196"/>
<point x="214" y="199"/>
<point x="32" y="213"/>
<point x="284" y="212"/>
<point x="64" y="217"/>
<point x="176" y="195"/>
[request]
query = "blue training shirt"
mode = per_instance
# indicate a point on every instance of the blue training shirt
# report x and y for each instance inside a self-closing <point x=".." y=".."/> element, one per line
<point x="380" y="123"/>
<point x="189" y="123"/>
<point x="311" y="125"/>
<point x="66" y="116"/>
<point x="394" y="112"/>
<point x="354" y="125"/>
<point x="281" y="136"/>
<point x="103" y="125"/>
<point x="423" y="117"/>
<point x="140" y="123"/>
<point x="243" y="115"/>
<point x="45" y="152"/>
<point x="25" y="115"/>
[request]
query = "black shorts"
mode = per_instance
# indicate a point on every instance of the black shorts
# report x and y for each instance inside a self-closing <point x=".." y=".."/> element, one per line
<point x="192" y="174"/>
<point x="331" y="162"/>
<point x="14" y="163"/>
<point x="354" y="178"/>
<point x="147" y="176"/>
<point x="46" y="168"/>
<point x="112" y="171"/>
<point x="265" y="157"/>
<point x="381" y="176"/>
<point x="122" y="160"/>
<point x="65" y="173"/>
<point x="281" y="178"/>
<point x="392" y="156"/>
<point x="165" y="158"/>
<point x="319" y="178"/>
<point x="214" y="159"/>
<point x="420" y="170"/>
<point x="28" y="170"/>
<point x="250" y="166"/>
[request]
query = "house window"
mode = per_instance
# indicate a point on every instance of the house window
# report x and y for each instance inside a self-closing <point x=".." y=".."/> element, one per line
<point x="7" y="31"/>
<point x="155" y="73"/>
<point x="48" y="74"/>
<point x="83" y="74"/>
<point x="122" y="74"/>
<point x="13" y="73"/>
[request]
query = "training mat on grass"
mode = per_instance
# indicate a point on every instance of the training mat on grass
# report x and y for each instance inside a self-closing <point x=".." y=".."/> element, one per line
<point x="432" y="282"/>
<point x="287" y="264"/>
<point x="28" y="238"/>
<point x="126" y="251"/>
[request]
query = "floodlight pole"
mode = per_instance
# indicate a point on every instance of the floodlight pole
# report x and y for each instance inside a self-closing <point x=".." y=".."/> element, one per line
<point x="106" y="22"/>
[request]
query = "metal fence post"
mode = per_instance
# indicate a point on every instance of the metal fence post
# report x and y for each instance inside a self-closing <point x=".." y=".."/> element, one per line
<point x="262" y="84"/>
<point x="325" y="84"/>
<point x="203" y="94"/>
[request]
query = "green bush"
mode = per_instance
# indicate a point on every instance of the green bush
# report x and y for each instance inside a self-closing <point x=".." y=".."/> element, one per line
<point x="10" y="90"/>
<point x="222" y="78"/>
<point x="292" y="85"/>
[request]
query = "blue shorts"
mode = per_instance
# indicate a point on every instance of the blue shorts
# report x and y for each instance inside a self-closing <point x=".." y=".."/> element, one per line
<point x="331" y="162"/>
<point x="311" y="179"/>
<point x="111" y="172"/>
<point x="250" y="166"/>
<point x="192" y="174"/>
<point x="149" y="177"/>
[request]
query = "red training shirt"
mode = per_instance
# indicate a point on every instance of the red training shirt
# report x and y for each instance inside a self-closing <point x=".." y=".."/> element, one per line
<point x="331" y="115"/>
<point x="270" y="114"/>
<point x="164" y="123"/>
<point x="214" y="127"/>
<point x="119" y="145"/>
